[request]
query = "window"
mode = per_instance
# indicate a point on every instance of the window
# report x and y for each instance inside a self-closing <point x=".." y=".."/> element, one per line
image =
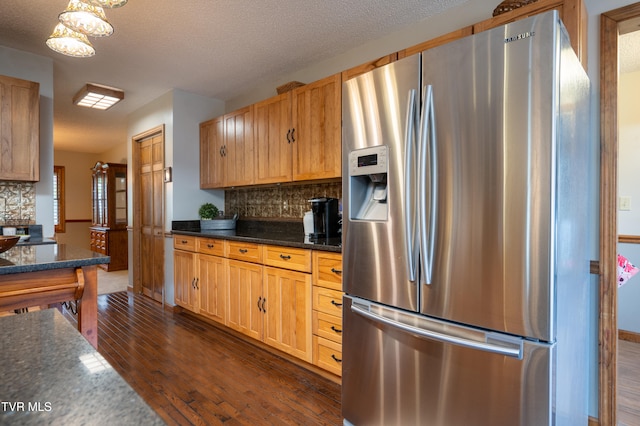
<point x="58" y="198"/>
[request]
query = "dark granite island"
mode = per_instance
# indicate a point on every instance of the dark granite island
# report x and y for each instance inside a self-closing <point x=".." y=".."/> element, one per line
<point x="46" y="274"/>
<point x="51" y="375"/>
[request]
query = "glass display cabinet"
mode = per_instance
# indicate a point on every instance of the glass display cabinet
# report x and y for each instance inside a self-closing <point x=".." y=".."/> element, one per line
<point x="108" y="232"/>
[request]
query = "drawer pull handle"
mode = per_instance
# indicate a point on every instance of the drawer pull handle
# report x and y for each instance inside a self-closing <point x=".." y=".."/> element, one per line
<point x="337" y="330"/>
<point x="183" y="241"/>
<point x="243" y="251"/>
<point x="210" y="246"/>
<point x="334" y="303"/>
<point x="259" y="300"/>
<point x="336" y="271"/>
<point x="335" y="358"/>
<point x="264" y="300"/>
<point x="285" y="257"/>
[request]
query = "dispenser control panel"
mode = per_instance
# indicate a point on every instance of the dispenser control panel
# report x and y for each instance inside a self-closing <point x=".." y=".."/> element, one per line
<point x="368" y="161"/>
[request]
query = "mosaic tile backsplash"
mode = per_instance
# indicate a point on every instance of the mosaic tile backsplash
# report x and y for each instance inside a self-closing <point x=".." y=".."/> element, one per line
<point x="284" y="201"/>
<point x="17" y="203"/>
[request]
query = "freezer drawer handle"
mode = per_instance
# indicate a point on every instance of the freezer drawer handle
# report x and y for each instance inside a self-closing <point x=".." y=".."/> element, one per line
<point x="440" y="337"/>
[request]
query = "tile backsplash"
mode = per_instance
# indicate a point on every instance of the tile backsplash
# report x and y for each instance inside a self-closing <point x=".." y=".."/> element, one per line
<point x="17" y="202"/>
<point x="282" y="201"/>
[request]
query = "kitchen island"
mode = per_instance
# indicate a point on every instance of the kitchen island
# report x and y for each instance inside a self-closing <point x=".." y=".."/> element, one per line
<point x="50" y="375"/>
<point x="39" y="275"/>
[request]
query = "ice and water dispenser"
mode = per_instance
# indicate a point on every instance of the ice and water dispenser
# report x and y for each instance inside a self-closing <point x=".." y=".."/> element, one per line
<point x="368" y="171"/>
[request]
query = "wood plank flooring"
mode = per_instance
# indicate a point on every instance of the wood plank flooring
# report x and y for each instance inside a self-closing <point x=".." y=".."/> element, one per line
<point x="628" y="383"/>
<point x="193" y="373"/>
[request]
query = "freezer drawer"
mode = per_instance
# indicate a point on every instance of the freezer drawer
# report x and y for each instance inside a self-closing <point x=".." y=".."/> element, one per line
<point x="392" y="375"/>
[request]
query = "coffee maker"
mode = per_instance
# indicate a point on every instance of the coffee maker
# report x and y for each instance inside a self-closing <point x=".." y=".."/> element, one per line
<point x="325" y="218"/>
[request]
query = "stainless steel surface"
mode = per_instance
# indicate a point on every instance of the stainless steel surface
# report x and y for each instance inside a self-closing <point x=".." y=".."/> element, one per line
<point x="493" y="203"/>
<point x="416" y="381"/>
<point x="375" y="255"/>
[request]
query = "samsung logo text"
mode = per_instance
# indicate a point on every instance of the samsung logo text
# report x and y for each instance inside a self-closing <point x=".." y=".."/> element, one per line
<point x="520" y="36"/>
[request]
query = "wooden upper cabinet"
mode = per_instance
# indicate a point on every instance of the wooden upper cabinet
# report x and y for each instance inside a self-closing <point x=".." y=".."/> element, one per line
<point x="572" y="12"/>
<point x="19" y="129"/>
<point x="272" y="136"/>
<point x="368" y="66"/>
<point x="238" y="148"/>
<point x="211" y="158"/>
<point x="446" y="38"/>
<point x="317" y="136"/>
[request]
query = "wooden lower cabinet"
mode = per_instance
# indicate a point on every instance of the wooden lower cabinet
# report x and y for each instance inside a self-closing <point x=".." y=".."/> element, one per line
<point x="212" y="282"/>
<point x="288" y="312"/>
<point x="113" y="243"/>
<point x="184" y="277"/>
<point x="245" y="298"/>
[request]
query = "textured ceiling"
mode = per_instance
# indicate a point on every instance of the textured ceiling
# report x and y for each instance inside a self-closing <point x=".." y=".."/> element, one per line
<point x="215" y="48"/>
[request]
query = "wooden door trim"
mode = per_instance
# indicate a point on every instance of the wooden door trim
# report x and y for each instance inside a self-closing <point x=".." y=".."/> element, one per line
<point x="608" y="327"/>
<point x="137" y="255"/>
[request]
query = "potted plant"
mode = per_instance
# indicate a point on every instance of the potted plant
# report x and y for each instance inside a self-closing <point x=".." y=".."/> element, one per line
<point x="210" y="218"/>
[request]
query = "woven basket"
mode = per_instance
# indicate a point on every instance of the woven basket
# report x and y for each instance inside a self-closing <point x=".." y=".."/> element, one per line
<point x="287" y="87"/>
<point x="509" y="5"/>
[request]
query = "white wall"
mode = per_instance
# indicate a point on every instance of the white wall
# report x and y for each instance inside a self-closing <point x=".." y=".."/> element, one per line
<point x="629" y="185"/>
<point x="27" y="66"/>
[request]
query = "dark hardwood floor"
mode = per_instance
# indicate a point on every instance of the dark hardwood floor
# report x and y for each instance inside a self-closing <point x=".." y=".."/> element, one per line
<point x="628" y="383"/>
<point x="193" y="373"/>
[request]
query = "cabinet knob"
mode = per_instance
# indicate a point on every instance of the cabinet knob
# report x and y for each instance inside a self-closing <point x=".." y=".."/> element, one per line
<point x="210" y="245"/>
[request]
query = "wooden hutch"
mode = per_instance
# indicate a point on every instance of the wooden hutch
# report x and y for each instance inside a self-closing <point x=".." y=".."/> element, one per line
<point x="109" y="221"/>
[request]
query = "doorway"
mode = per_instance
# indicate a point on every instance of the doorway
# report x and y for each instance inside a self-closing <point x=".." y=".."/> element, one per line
<point x="148" y="213"/>
<point x="612" y="24"/>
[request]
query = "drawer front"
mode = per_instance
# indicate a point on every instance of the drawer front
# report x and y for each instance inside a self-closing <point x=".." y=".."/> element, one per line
<point x="184" y="242"/>
<point x="327" y="270"/>
<point x="327" y="355"/>
<point x="288" y="258"/>
<point x="327" y="326"/>
<point x="248" y="252"/>
<point x="327" y="301"/>
<point x="210" y="246"/>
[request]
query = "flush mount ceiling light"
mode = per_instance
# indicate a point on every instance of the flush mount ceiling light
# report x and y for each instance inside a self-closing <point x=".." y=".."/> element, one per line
<point x="86" y="19"/>
<point x="70" y="43"/>
<point x="98" y="96"/>
<point x="107" y="4"/>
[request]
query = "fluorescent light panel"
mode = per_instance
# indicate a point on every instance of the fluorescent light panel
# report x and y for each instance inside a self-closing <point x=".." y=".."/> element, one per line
<point x="98" y="97"/>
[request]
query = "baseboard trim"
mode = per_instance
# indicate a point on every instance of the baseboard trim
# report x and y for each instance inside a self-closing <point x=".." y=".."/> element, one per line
<point x="629" y="336"/>
<point x="593" y="421"/>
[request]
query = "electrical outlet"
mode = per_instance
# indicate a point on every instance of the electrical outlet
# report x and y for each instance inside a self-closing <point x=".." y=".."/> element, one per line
<point x="624" y="204"/>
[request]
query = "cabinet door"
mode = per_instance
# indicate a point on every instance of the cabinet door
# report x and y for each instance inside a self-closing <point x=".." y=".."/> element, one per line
<point x="288" y="312"/>
<point x="211" y="153"/>
<point x="238" y="151"/>
<point x="316" y="117"/>
<point x="245" y="298"/>
<point x="19" y="129"/>
<point x="272" y="133"/>
<point x="212" y="278"/>
<point x="184" y="280"/>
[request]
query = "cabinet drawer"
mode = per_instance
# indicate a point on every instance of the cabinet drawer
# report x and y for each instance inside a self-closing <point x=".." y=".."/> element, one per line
<point x="210" y="246"/>
<point x="327" y="326"/>
<point x="184" y="242"/>
<point x="327" y="301"/>
<point x="327" y="355"/>
<point x="288" y="258"/>
<point x="248" y="252"/>
<point x="327" y="270"/>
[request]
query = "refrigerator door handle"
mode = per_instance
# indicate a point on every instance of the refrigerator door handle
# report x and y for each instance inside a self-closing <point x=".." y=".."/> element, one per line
<point x="514" y="349"/>
<point x="409" y="180"/>
<point x="427" y="191"/>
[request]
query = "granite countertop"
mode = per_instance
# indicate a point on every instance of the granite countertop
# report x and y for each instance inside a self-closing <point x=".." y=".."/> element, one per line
<point x="52" y="375"/>
<point x="32" y="258"/>
<point x="288" y="234"/>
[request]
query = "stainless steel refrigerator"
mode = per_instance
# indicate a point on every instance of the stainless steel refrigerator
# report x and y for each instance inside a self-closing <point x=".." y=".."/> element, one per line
<point x="465" y="222"/>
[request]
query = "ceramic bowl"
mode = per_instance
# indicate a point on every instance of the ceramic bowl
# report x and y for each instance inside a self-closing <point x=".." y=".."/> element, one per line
<point x="8" y="241"/>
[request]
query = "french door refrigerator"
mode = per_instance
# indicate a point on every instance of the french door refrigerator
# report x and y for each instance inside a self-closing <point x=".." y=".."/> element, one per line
<point x="465" y="234"/>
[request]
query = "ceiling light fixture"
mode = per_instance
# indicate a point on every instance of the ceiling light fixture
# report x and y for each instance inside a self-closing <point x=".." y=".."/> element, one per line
<point x="86" y="19"/>
<point x="98" y="96"/>
<point x="70" y="43"/>
<point x="107" y="4"/>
